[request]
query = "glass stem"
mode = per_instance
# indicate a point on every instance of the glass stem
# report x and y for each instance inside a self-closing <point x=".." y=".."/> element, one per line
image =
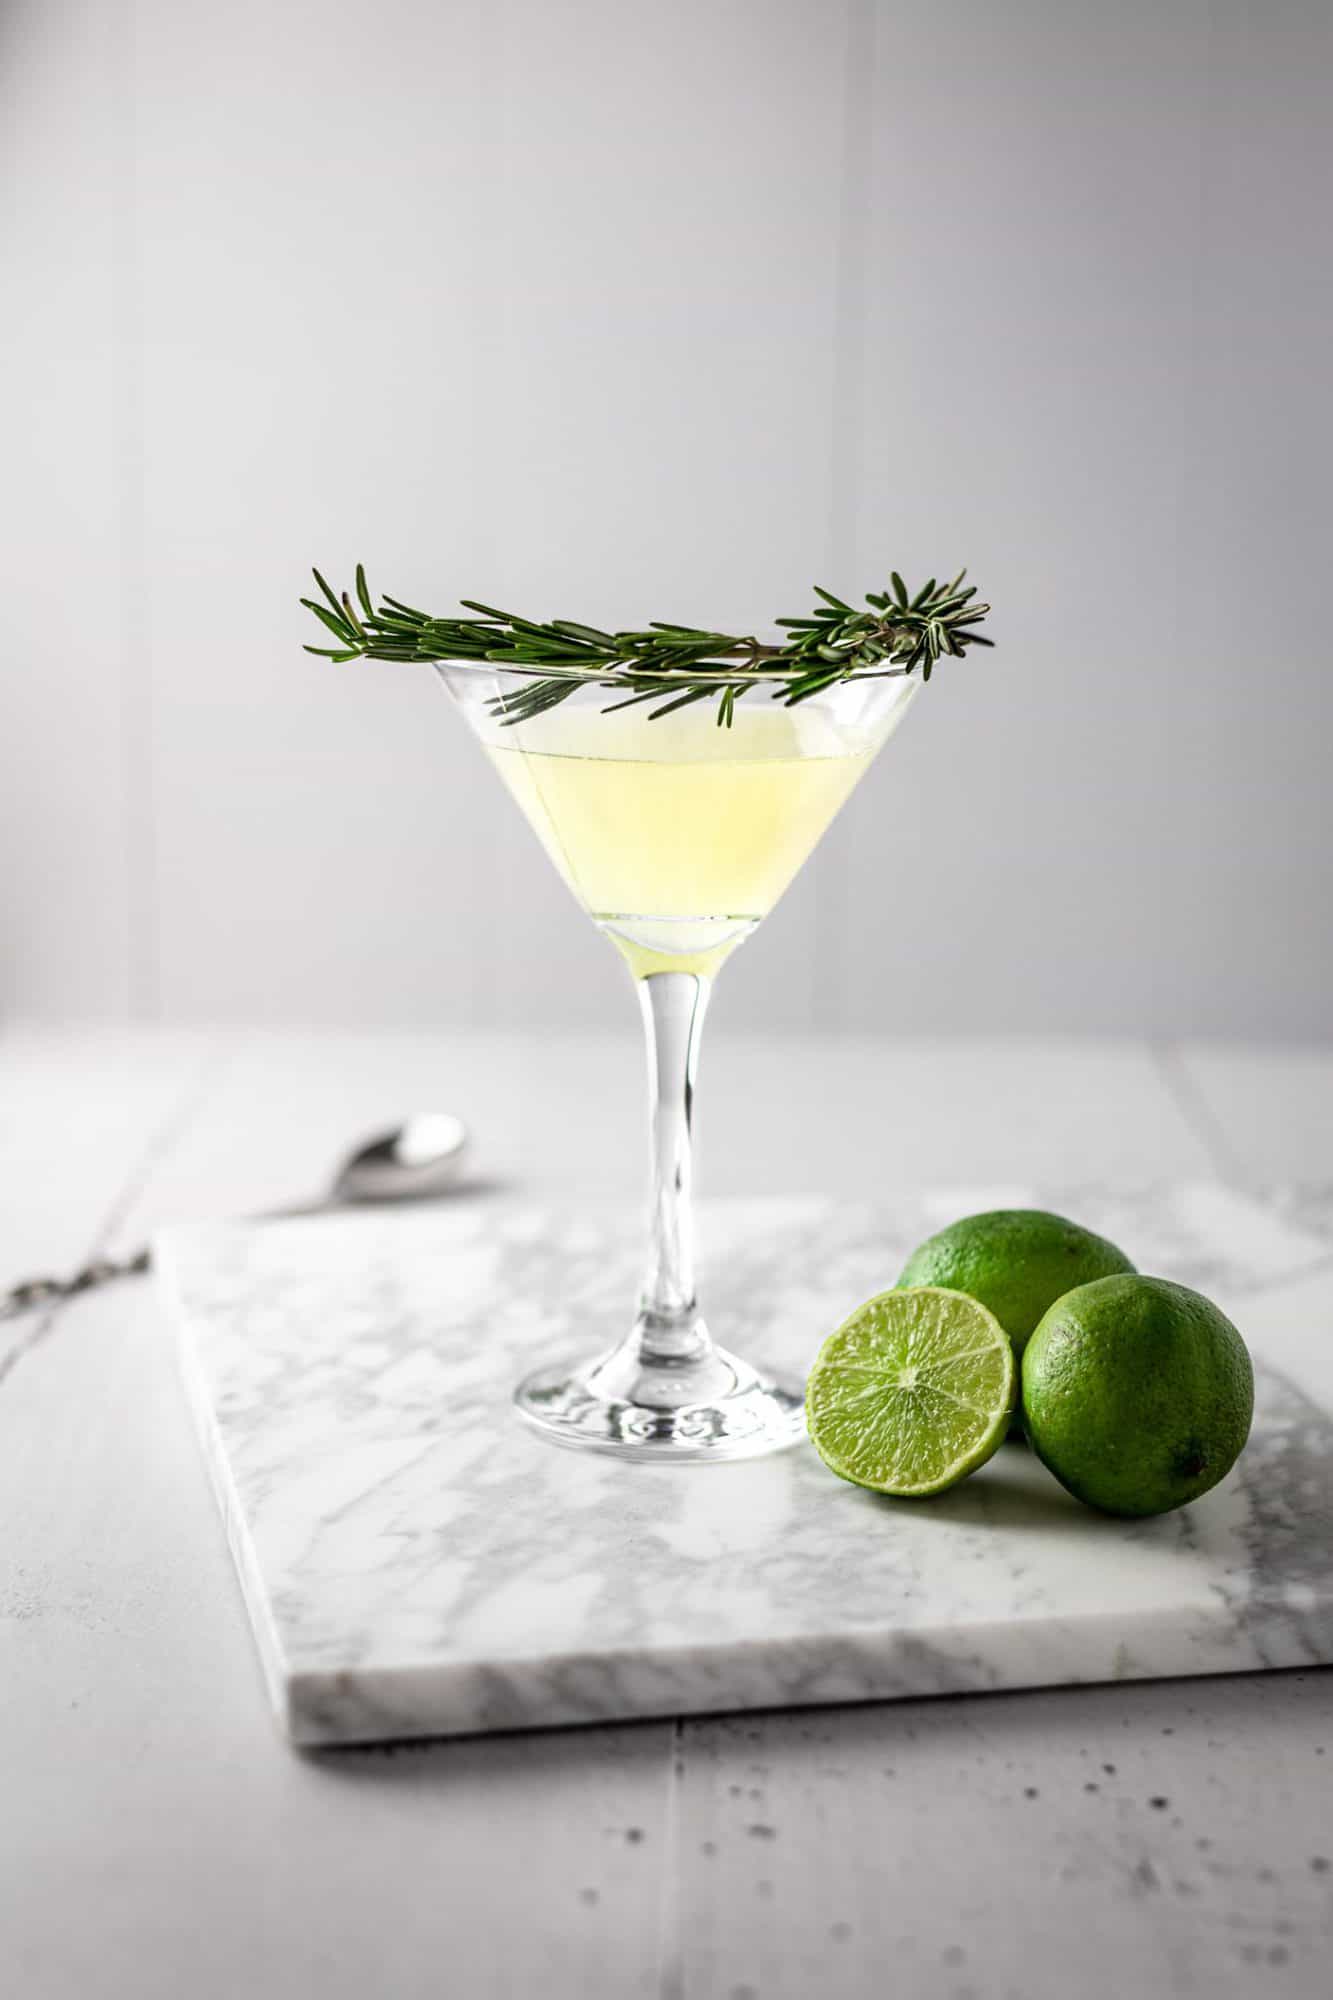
<point x="669" y="1328"/>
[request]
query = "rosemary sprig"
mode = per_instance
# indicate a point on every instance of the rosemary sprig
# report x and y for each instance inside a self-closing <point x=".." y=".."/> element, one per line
<point x="897" y="633"/>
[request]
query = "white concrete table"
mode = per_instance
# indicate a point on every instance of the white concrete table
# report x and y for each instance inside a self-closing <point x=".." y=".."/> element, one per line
<point x="156" y="1837"/>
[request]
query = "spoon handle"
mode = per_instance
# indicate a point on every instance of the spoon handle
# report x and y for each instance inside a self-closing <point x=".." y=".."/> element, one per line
<point x="34" y="1292"/>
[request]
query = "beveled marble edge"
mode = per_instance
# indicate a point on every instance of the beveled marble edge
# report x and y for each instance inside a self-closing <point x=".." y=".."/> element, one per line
<point x="384" y="1704"/>
<point x="278" y="1679"/>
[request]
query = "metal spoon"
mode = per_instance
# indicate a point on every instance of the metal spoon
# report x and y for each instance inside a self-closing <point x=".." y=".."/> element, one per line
<point x="411" y="1163"/>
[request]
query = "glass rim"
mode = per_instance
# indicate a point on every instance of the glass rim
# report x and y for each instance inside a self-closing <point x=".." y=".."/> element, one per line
<point x="622" y="674"/>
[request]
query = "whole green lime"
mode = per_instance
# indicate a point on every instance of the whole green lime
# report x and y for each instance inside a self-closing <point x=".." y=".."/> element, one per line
<point x="1016" y="1261"/>
<point x="1137" y="1394"/>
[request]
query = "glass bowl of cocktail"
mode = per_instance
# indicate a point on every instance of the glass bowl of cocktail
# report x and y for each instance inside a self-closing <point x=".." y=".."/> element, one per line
<point x="677" y="780"/>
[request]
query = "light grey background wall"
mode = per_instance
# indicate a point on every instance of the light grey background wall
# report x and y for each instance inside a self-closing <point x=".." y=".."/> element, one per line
<point x="619" y="311"/>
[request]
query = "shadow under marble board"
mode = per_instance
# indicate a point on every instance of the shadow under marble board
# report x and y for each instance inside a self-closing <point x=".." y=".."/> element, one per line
<point x="416" y="1561"/>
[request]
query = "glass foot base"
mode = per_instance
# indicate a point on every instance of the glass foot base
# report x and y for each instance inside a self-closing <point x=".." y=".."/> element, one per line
<point x="744" y="1415"/>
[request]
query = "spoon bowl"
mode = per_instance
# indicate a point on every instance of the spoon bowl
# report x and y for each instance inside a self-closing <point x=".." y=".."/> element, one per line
<point x="413" y="1162"/>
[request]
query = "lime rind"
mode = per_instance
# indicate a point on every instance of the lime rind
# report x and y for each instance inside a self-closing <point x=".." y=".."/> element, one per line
<point x="912" y="1392"/>
<point x="1139" y="1394"/>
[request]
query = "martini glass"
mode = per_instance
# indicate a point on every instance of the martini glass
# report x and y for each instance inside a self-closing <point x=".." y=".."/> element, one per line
<point x="677" y="836"/>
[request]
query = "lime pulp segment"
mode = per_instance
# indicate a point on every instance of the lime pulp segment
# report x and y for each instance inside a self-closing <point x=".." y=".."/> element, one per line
<point x="912" y="1392"/>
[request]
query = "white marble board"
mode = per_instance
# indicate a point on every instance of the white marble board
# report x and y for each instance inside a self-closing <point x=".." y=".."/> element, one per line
<point x="417" y="1562"/>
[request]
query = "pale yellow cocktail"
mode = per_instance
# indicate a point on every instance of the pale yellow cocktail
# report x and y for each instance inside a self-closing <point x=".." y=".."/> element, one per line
<point x="677" y="841"/>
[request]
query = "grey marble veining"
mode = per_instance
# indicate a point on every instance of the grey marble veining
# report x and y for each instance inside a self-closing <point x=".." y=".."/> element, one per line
<point x="416" y="1561"/>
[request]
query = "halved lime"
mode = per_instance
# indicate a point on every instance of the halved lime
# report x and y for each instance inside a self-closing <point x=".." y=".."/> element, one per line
<point x="913" y="1392"/>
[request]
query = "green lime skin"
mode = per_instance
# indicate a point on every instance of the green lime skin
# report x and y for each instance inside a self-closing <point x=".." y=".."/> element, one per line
<point x="1137" y="1394"/>
<point x="1016" y="1262"/>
